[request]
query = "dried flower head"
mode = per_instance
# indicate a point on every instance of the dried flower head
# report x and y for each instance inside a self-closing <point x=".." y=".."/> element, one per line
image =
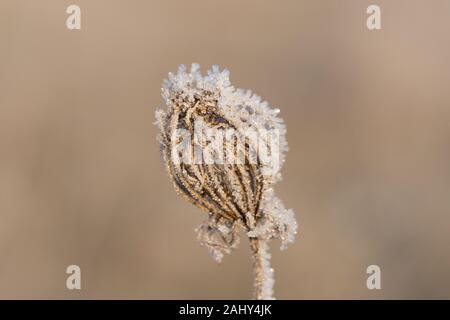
<point x="223" y="148"/>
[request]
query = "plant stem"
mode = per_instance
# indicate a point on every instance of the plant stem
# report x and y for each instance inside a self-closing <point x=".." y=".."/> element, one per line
<point x="263" y="273"/>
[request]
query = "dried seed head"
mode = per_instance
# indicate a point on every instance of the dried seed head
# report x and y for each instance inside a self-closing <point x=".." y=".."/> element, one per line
<point x="223" y="148"/>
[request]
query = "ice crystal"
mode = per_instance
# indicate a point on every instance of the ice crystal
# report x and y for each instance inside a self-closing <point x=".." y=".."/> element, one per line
<point x="219" y="237"/>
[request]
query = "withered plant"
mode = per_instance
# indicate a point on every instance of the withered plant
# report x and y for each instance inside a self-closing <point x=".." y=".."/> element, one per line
<point x="223" y="149"/>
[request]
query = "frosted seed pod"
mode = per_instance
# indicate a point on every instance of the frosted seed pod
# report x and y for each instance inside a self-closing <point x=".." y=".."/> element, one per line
<point x="229" y="176"/>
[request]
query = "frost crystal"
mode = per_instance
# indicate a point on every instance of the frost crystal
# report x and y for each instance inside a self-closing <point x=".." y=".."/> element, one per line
<point x="218" y="236"/>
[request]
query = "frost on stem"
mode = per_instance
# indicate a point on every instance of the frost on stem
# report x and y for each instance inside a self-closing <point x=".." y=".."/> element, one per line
<point x="263" y="272"/>
<point x="231" y="180"/>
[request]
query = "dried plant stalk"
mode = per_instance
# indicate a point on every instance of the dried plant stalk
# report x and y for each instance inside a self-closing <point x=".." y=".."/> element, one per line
<point x="264" y="280"/>
<point x="223" y="149"/>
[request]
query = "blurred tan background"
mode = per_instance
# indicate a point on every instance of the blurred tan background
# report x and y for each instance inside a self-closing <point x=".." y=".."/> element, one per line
<point x="368" y="173"/>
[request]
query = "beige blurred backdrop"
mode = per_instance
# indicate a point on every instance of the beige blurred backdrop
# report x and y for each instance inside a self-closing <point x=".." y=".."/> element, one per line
<point x="368" y="171"/>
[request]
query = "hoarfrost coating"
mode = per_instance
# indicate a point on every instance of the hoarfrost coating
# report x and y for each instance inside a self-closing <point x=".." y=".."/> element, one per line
<point x="235" y="195"/>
